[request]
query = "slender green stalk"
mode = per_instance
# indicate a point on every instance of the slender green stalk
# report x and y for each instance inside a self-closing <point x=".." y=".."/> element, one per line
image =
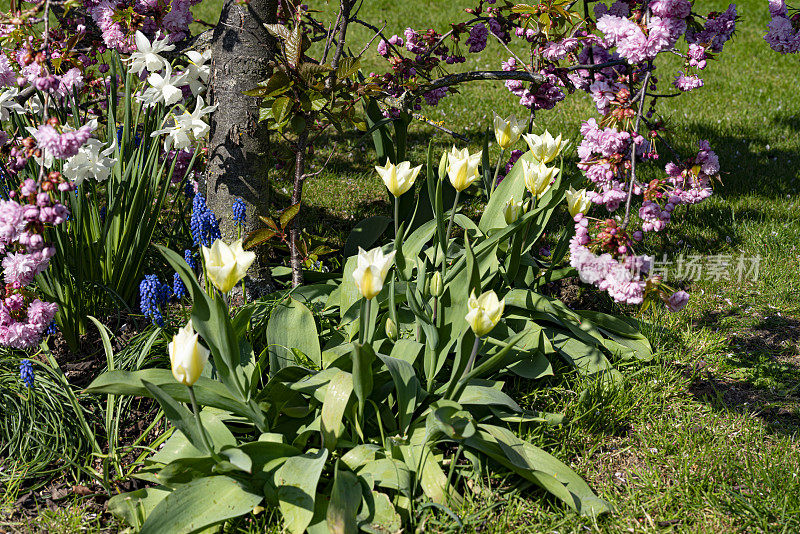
<point x="497" y="171"/>
<point x="396" y="215"/>
<point x="447" y="234"/>
<point x="472" y="357"/>
<point x="200" y="427"/>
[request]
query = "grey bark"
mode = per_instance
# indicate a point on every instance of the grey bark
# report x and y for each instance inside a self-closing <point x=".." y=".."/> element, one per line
<point x="238" y="162"/>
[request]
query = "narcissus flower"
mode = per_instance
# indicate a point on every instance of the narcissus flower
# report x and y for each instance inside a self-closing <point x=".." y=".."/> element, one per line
<point x="227" y="264"/>
<point x="484" y="312"/>
<point x="462" y="167"/>
<point x="507" y="131"/>
<point x="577" y="201"/>
<point x="187" y="356"/>
<point x="371" y="271"/>
<point x="512" y="210"/>
<point x="538" y="177"/>
<point x="147" y="54"/>
<point x="544" y="147"/>
<point x="398" y="178"/>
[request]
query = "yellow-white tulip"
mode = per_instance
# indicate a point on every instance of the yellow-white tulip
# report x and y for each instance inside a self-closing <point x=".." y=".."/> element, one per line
<point x="187" y="356"/>
<point x="371" y="271"/>
<point x="544" y="147"/>
<point x="577" y="202"/>
<point x="507" y="131"/>
<point x="462" y="167"/>
<point x="484" y="312"/>
<point x="512" y="210"/>
<point x="538" y="177"/>
<point x="398" y="178"/>
<point x="227" y="264"/>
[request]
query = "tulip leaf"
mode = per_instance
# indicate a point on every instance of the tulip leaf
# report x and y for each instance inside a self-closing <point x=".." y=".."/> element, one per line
<point x="134" y="507"/>
<point x="363" y="356"/>
<point x="389" y="473"/>
<point x="420" y="459"/>
<point x="177" y="446"/>
<point x="513" y="185"/>
<point x="297" y="483"/>
<point x="344" y="503"/>
<point x="189" y="508"/>
<point x="337" y="396"/>
<point x="384" y="519"/>
<point x="292" y="326"/>
<point x="407" y="386"/>
<point x="178" y="415"/>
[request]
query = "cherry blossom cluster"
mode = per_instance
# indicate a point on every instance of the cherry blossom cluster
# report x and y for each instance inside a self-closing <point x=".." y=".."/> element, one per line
<point x="783" y="34"/>
<point x="24" y="215"/>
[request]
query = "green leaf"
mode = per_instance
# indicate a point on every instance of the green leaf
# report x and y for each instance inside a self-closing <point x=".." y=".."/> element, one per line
<point x="384" y="519"/>
<point x="292" y="326"/>
<point x="281" y="109"/>
<point x="134" y="507"/>
<point x="363" y="356"/>
<point x="512" y="185"/>
<point x="294" y="47"/>
<point x="209" y="392"/>
<point x="200" y="504"/>
<point x="389" y="473"/>
<point x="258" y="237"/>
<point x="178" y="415"/>
<point x="420" y="459"/>
<point x="278" y="30"/>
<point x="337" y="397"/>
<point x="177" y="446"/>
<point x="288" y="214"/>
<point x="365" y="234"/>
<point x="297" y="488"/>
<point x="407" y="386"/>
<point x="345" y="500"/>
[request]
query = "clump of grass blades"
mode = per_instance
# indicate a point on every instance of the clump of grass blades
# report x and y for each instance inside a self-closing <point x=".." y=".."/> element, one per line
<point x="40" y="434"/>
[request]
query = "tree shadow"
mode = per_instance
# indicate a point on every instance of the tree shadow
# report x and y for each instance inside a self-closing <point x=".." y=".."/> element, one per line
<point x="766" y="384"/>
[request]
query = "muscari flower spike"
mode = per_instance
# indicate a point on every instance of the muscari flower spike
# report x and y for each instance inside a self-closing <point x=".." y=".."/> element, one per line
<point x="239" y="212"/>
<point x="153" y="294"/>
<point x="26" y="373"/>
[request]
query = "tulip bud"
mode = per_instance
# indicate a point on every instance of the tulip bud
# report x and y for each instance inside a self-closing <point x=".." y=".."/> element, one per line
<point x="371" y="271"/>
<point x="187" y="356"/>
<point x="227" y="264"/>
<point x="391" y="329"/>
<point x="443" y="166"/>
<point x="512" y="210"/>
<point x="436" y="284"/>
<point x="484" y="312"/>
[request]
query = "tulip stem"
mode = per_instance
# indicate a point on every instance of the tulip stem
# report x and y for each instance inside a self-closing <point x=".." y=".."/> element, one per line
<point x="472" y="357"/>
<point x="396" y="215"/>
<point x="497" y="171"/>
<point x="200" y="428"/>
<point x="447" y="234"/>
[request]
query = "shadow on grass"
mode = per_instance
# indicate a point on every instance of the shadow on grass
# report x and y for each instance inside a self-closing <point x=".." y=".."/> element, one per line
<point x="765" y="364"/>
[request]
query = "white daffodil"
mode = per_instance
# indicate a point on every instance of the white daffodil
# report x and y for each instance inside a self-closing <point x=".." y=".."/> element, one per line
<point x="544" y="147"/>
<point x="147" y="55"/>
<point x="462" y="167"/>
<point x="163" y="88"/>
<point x="398" y="178"/>
<point x="577" y="201"/>
<point x="187" y="356"/>
<point x="507" y="131"/>
<point x="371" y="270"/>
<point x="484" y="312"/>
<point x="197" y="71"/>
<point x="184" y="129"/>
<point x="9" y="104"/>
<point x="538" y="177"/>
<point x="91" y="161"/>
<point x="227" y="264"/>
<point x="195" y="120"/>
<point x="512" y="210"/>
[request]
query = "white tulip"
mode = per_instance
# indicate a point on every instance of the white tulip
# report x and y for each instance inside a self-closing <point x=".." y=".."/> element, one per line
<point x="577" y="202"/>
<point x="227" y="264"/>
<point x="484" y="312"/>
<point x="398" y="178"/>
<point x="187" y="356"/>
<point x="538" y="177"/>
<point x="507" y="131"/>
<point x="512" y="210"/>
<point x="544" y="147"/>
<point x="462" y="167"/>
<point x="371" y="271"/>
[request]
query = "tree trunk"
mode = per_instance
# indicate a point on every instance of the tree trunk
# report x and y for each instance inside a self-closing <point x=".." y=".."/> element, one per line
<point x="238" y="162"/>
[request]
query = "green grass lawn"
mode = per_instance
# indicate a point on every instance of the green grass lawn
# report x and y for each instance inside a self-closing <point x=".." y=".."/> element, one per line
<point x="705" y="437"/>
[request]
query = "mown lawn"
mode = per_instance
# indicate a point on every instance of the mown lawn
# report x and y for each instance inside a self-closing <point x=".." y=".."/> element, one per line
<point x="705" y="437"/>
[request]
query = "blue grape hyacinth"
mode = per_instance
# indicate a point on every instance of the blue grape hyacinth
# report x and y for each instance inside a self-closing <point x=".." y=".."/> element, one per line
<point x="239" y="212"/>
<point x="203" y="224"/>
<point x="188" y="255"/>
<point x="178" y="289"/>
<point x="26" y="373"/>
<point x="153" y="294"/>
